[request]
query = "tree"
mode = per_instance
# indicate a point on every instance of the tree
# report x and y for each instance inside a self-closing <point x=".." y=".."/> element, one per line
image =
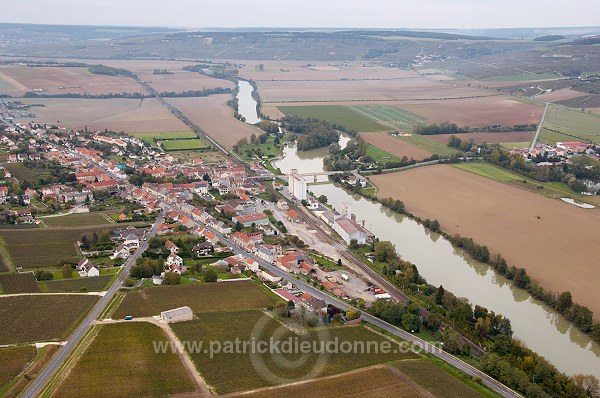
<point x="411" y="322"/>
<point x="564" y="302"/>
<point x="104" y="237"/>
<point x="253" y="138"/>
<point x="210" y="275"/>
<point x="339" y="262"/>
<point x="67" y="271"/>
<point x="384" y="251"/>
<point x="588" y="383"/>
<point x="439" y="295"/>
<point x="352" y="313"/>
<point x="41" y="275"/>
<point x="322" y="199"/>
<point x="172" y="278"/>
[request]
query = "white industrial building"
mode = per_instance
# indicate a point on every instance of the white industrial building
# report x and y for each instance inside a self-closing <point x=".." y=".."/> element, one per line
<point x="180" y="314"/>
<point x="349" y="229"/>
<point x="297" y="186"/>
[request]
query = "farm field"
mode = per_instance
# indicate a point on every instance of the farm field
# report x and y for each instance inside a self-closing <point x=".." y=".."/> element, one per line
<point x="151" y="138"/>
<point x="438" y="381"/>
<point x="182" y="80"/>
<point x="377" y="381"/>
<point x="366" y="90"/>
<point x="18" y="283"/>
<point x="393" y="115"/>
<point x="395" y="146"/>
<point x="184" y="144"/>
<point x="14" y="360"/>
<point x="339" y="114"/>
<point x="320" y="71"/>
<point x="477" y="112"/>
<point x="27" y="319"/>
<point x="62" y="80"/>
<point x="213" y="116"/>
<point x="77" y="220"/>
<point x="205" y="297"/>
<point x="479" y="138"/>
<point x="42" y="247"/>
<point x="577" y="124"/>
<point x="117" y="114"/>
<point x="560" y="95"/>
<point x="90" y="284"/>
<point x="449" y="194"/>
<point x="223" y="368"/>
<point x="133" y="368"/>
<point x="21" y="173"/>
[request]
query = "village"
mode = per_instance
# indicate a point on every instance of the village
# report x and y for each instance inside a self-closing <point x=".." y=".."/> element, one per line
<point x="199" y="200"/>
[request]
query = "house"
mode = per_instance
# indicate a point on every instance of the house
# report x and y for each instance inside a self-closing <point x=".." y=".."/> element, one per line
<point x="268" y="276"/>
<point x="287" y="296"/>
<point x="293" y="216"/>
<point x="120" y="252"/>
<point x="349" y="230"/>
<point x="243" y="240"/>
<point x="175" y="263"/>
<point x="266" y="253"/>
<point x="235" y="270"/>
<point x="203" y="249"/>
<point x="87" y="268"/>
<point x="180" y="314"/>
<point x="282" y="204"/>
<point x="172" y="247"/>
<point x="314" y="304"/>
<point x="157" y="280"/>
<point x="132" y="242"/>
<point x="252" y="265"/>
<point x="247" y="220"/>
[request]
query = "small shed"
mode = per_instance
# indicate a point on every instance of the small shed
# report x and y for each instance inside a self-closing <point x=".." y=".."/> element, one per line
<point x="180" y="314"/>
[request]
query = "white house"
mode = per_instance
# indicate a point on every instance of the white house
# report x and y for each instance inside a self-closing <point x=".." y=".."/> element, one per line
<point x="120" y="252"/>
<point x="175" y="263"/>
<point x="87" y="268"/>
<point x="132" y="242"/>
<point x="268" y="276"/>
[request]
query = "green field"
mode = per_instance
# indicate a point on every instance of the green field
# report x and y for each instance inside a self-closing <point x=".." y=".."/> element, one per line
<point x="511" y="145"/>
<point x="180" y="145"/>
<point x="26" y="319"/>
<point x="89" y="284"/>
<point x="551" y="189"/>
<point x="425" y="143"/>
<point x="381" y="156"/>
<point x="14" y="360"/>
<point x="338" y="114"/>
<point x="22" y="173"/>
<point x="121" y="362"/>
<point x="269" y="149"/>
<point x="441" y="383"/>
<point x="5" y="84"/>
<point x="18" y="283"/>
<point x="552" y="137"/>
<point x="43" y="247"/>
<point x="228" y="373"/>
<point x="576" y="124"/>
<point x="151" y="138"/>
<point x="77" y="220"/>
<point x="205" y="297"/>
<point x="393" y="115"/>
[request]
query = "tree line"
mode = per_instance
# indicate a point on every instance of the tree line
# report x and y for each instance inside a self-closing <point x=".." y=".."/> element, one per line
<point x="453" y="128"/>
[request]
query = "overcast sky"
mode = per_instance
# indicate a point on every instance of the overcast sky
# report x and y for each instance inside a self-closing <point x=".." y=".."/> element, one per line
<point x="306" y="13"/>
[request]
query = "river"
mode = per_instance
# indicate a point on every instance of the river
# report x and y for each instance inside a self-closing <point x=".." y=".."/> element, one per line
<point x="247" y="104"/>
<point x="537" y="325"/>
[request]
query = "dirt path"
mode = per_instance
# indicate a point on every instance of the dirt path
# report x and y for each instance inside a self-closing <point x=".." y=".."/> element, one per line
<point x="202" y="389"/>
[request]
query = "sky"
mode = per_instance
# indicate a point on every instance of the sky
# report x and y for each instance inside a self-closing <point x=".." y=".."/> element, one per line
<point x="461" y="14"/>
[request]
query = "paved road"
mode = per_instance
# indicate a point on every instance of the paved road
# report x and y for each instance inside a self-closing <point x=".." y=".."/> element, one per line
<point x="63" y="353"/>
<point x="539" y="129"/>
<point x="430" y="348"/>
